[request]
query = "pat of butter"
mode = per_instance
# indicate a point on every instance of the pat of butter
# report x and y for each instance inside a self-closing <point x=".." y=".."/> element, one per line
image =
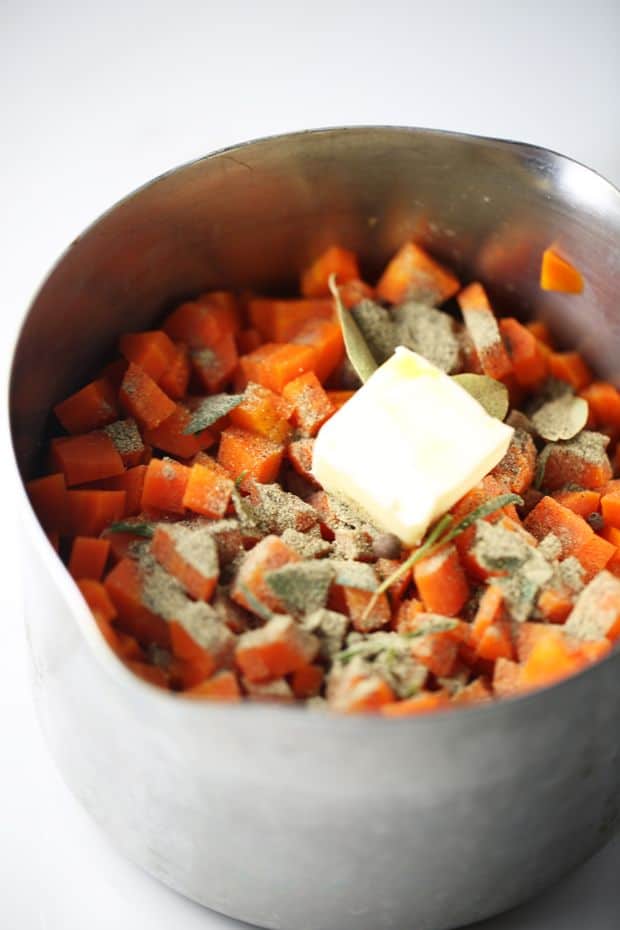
<point x="408" y="445"/>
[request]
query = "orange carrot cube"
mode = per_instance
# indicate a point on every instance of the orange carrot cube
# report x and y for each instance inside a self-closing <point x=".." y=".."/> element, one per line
<point x="88" y="409"/>
<point x="278" y="320"/>
<point x="86" y="458"/>
<point x="245" y="453"/>
<point x="175" y="378"/>
<point x="549" y="516"/>
<point x="325" y="338"/>
<point x="171" y="435"/>
<point x="441" y="582"/>
<point x="311" y="405"/>
<point x="97" y="598"/>
<point x="124" y="586"/>
<point x="280" y="647"/>
<point x="215" y="364"/>
<point x="152" y="351"/>
<point x="208" y="489"/>
<point x="334" y="260"/>
<point x="250" y="585"/>
<point x="263" y="412"/>
<point x="91" y="511"/>
<point x="275" y="364"/>
<point x="570" y="367"/>
<point x="48" y="497"/>
<point x="484" y="331"/>
<point x="529" y="362"/>
<point x="412" y="273"/>
<point x="190" y="555"/>
<point x="143" y="399"/>
<point x="557" y="274"/>
<point x="223" y="686"/>
<point x="88" y="557"/>
<point x="165" y="482"/>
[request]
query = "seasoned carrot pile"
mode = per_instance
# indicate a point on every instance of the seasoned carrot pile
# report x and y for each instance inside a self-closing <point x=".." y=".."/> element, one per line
<point x="180" y="494"/>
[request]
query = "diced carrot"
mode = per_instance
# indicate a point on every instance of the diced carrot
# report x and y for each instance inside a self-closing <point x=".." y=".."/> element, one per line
<point x="334" y="260"/>
<point x="437" y="651"/>
<point x="477" y="692"/>
<point x="264" y="412"/>
<point x="88" y="409"/>
<point x="223" y="686"/>
<point x="441" y="582"/>
<point x="306" y="681"/>
<point x="516" y="470"/>
<point x="554" y="605"/>
<point x="549" y="660"/>
<point x="610" y="509"/>
<point x="280" y="647"/>
<point x="528" y="635"/>
<point x="165" y="482"/>
<point x="584" y="502"/>
<point x="570" y="367"/>
<point x="339" y="398"/>
<point x="215" y="364"/>
<point x="594" y="555"/>
<point x="557" y="274"/>
<point x="127" y="441"/>
<point x="250" y="585"/>
<point x="354" y="291"/>
<point x="197" y="571"/>
<point x="364" y="696"/>
<point x="540" y="331"/>
<point x="354" y="603"/>
<point x="91" y="511"/>
<point x="208" y="490"/>
<point x="204" y="321"/>
<point x="568" y="463"/>
<point x="153" y="351"/>
<point x="132" y="483"/>
<point x="311" y="405"/>
<point x="490" y="633"/>
<point x="412" y="273"/>
<point x="325" y="338"/>
<point x="143" y="399"/>
<point x="149" y="673"/>
<point x="484" y="331"/>
<point x="48" y="497"/>
<point x="551" y="517"/>
<point x="124" y="587"/>
<point x="275" y="364"/>
<point x="529" y="362"/>
<point x="254" y="457"/>
<point x="604" y="403"/>
<point x="299" y="454"/>
<point x="488" y="488"/>
<point x="396" y="592"/>
<point x="175" y="378"/>
<point x="97" y="598"/>
<point x="424" y="703"/>
<point x="506" y="678"/>
<point x="86" y="458"/>
<point x="88" y="557"/>
<point x="199" y="662"/>
<point x="171" y="436"/>
<point x="407" y="614"/>
<point x="278" y="320"/>
<point x="248" y="340"/>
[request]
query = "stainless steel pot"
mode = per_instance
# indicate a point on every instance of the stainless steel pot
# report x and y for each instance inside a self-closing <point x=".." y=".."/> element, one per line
<point x="271" y="814"/>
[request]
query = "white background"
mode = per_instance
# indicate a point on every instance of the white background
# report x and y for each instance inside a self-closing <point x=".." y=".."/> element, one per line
<point x="96" y="98"/>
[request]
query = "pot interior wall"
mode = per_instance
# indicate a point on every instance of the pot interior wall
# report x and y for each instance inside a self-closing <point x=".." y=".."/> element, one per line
<point x="251" y="217"/>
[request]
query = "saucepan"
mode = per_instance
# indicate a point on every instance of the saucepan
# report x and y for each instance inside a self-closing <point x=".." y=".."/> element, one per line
<point x="277" y="815"/>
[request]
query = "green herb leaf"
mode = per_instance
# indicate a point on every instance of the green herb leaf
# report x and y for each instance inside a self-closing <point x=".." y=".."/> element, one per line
<point x="136" y="529"/>
<point x="490" y="394"/>
<point x="261" y="610"/>
<point x="240" y="478"/>
<point x="210" y="410"/>
<point x="358" y="352"/>
<point x="301" y="586"/>
<point x="479" y="513"/>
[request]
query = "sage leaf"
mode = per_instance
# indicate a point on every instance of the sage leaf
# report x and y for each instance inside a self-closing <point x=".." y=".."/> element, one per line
<point x="490" y="394"/>
<point x="561" y="418"/>
<point x="357" y="350"/>
<point x="145" y="530"/>
<point x="210" y="410"/>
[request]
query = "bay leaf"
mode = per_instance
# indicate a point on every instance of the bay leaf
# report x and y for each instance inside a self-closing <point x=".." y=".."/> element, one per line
<point x="357" y="350"/>
<point x="561" y="418"/>
<point x="490" y="394"/>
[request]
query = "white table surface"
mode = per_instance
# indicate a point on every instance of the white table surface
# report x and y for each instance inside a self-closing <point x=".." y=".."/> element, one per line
<point x="96" y="98"/>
